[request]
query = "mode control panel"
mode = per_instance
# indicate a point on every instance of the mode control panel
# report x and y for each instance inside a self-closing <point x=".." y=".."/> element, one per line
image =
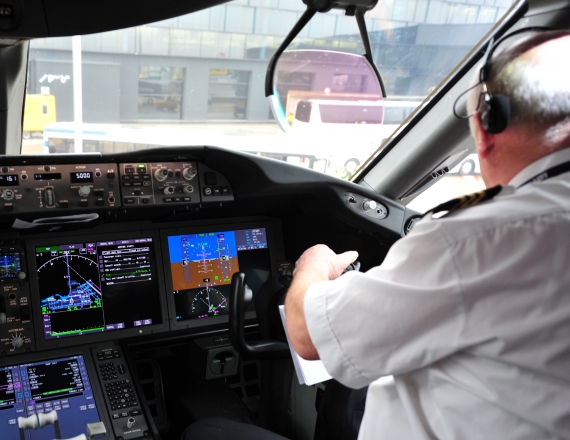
<point x="16" y="331"/>
<point x="171" y="183"/>
<point x="121" y="398"/>
<point x="33" y="188"/>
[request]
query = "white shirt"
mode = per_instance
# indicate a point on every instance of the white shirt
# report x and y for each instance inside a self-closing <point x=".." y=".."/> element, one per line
<point x="471" y="315"/>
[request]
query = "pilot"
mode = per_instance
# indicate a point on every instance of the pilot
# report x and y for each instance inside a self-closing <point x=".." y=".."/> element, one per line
<point x="470" y="312"/>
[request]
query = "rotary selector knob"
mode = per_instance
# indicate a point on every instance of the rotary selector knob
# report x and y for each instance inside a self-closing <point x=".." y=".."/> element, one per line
<point x="17" y="341"/>
<point x="169" y="190"/>
<point x="189" y="173"/>
<point x="161" y="174"/>
<point x="188" y="189"/>
<point x="8" y="194"/>
<point x="22" y="275"/>
<point x="84" y="191"/>
<point x="369" y="205"/>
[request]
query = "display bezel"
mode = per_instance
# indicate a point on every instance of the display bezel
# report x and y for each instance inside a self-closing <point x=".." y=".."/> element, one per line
<point x="43" y="344"/>
<point x="274" y="244"/>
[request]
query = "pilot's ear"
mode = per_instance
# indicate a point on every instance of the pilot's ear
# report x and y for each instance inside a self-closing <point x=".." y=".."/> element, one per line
<point x="484" y="141"/>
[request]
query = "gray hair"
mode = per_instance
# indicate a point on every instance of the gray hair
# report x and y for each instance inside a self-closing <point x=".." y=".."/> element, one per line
<point x="539" y="90"/>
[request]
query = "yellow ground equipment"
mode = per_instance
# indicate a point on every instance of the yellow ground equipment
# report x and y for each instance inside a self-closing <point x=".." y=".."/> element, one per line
<point x="38" y="112"/>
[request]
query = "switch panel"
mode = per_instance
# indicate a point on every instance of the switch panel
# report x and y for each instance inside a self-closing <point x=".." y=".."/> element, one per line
<point x="16" y="332"/>
<point x="121" y="398"/>
<point x="58" y="188"/>
<point x="171" y="183"/>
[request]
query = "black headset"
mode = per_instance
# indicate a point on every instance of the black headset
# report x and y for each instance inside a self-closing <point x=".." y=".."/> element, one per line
<point x="495" y="109"/>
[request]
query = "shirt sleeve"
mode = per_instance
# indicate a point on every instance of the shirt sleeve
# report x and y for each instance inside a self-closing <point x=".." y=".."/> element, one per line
<point x="397" y="317"/>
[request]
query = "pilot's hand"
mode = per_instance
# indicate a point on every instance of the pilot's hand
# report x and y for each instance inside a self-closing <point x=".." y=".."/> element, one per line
<point x="323" y="263"/>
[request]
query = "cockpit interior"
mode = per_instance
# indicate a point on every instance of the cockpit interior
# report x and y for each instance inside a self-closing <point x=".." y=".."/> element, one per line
<point x="120" y="313"/>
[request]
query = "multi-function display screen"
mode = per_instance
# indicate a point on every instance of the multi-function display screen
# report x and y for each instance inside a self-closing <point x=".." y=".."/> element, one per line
<point x="47" y="176"/>
<point x="10" y="264"/>
<point x="9" y="180"/>
<point x="202" y="266"/>
<point x="60" y="385"/>
<point x="81" y="177"/>
<point x="91" y="287"/>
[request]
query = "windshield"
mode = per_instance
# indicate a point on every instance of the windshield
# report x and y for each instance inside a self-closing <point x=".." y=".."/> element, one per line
<point x="199" y="80"/>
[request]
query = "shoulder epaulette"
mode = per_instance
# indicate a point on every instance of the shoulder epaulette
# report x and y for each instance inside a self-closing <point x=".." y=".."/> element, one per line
<point x="466" y="201"/>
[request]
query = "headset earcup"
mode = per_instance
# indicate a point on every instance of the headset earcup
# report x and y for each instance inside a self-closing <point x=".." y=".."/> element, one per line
<point x="495" y="113"/>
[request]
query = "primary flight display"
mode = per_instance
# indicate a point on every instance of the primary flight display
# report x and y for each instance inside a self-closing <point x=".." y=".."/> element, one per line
<point x="202" y="266"/>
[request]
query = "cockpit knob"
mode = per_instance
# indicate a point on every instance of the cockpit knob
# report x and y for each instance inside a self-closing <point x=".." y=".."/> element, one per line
<point x="188" y="189"/>
<point x="189" y="173"/>
<point x="17" y="341"/>
<point x="369" y="205"/>
<point x="84" y="191"/>
<point x="161" y="174"/>
<point x="8" y="194"/>
<point x="169" y="190"/>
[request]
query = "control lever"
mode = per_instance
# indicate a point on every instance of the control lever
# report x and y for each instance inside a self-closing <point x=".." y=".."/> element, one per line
<point x="50" y="418"/>
<point x="240" y="297"/>
<point x="352" y="266"/>
<point x="24" y="423"/>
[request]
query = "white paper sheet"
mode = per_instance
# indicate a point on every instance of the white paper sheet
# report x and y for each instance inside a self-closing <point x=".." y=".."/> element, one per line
<point x="308" y="372"/>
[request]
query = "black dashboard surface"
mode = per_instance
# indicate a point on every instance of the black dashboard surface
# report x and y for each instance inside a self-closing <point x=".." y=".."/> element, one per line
<point x="101" y="251"/>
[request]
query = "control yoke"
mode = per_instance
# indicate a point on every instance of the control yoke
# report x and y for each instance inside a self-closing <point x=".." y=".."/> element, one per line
<point x="240" y="297"/>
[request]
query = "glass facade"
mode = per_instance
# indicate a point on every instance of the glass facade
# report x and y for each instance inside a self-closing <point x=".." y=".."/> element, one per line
<point x="206" y="71"/>
<point x="160" y="92"/>
<point x="227" y="94"/>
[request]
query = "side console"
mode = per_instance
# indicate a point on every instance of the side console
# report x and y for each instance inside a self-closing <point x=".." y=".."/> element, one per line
<point x="16" y="330"/>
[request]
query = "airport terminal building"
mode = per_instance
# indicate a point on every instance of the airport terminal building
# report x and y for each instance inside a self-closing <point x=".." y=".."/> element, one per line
<point x="210" y="65"/>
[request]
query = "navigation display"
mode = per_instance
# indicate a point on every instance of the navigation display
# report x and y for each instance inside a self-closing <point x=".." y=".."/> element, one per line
<point x="91" y="287"/>
<point x="202" y="266"/>
<point x="60" y="385"/>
